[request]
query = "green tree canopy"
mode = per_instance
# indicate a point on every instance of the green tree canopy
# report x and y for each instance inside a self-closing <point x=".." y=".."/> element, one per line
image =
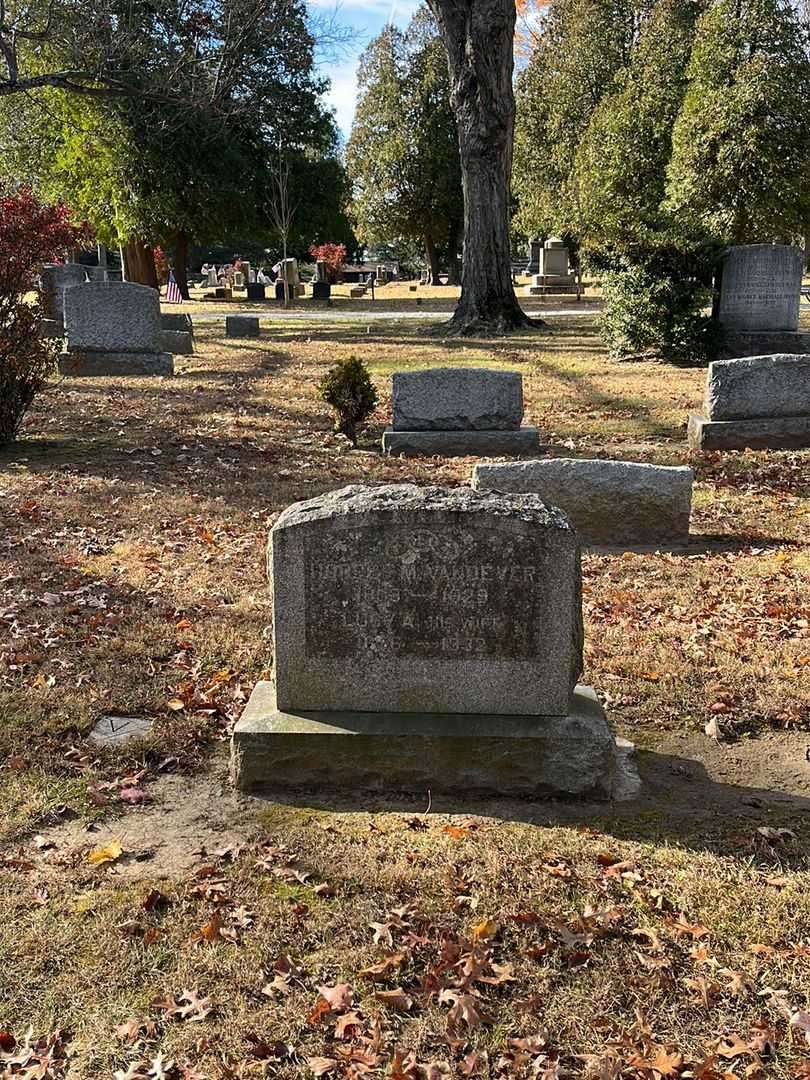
<point x="740" y="163"/>
<point x="580" y="47"/>
<point x="403" y="157"/>
<point x="170" y="172"/>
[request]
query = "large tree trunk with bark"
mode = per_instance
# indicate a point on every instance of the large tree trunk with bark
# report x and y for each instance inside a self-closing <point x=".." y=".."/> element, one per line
<point x="479" y="38"/>
<point x="181" y="263"/>
<point x="140" y="262"/>
<point x="432" y="261"/>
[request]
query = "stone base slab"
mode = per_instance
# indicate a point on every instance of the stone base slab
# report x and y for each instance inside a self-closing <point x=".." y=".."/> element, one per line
<point x="87" y="364"/>
<point x="525" y="440"/>
<point x="739" y="343"/>
<point x="177" y="342"/>
<point x="607" y="502"/>
<point x="775" y="433"/>
<point x="573" y="755"/>
<point x="548" y="290"/>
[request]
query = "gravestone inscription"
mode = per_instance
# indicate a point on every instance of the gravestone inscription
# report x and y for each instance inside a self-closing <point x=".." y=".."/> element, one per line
<point x="426" y="599"/>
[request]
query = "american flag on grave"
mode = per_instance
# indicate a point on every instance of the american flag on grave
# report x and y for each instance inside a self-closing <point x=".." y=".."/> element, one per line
<point x="172" y="291"/>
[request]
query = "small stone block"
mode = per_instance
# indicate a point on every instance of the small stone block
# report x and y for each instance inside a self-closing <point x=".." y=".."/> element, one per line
<point x="242" y="326"/>
<point x="775" y="433"/>
<point x="90" y="364"/>
<point x="177" y="342"/>
<point x="256" y="291"/>
<point x="525" y="440"/>
<point x="572" y="755"/>
<point x="117" y="730"/>
<point x="51" y="328"/>
<point x="608" y="502"/>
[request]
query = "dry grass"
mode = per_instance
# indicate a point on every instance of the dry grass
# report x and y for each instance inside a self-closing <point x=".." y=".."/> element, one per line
<point x="135" y="516"/>
<point x="395" y="297"/>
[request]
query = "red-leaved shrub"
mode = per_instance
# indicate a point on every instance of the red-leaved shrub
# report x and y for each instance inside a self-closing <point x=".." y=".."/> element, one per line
<point x="334" y="255"/>
<point x="31" y="234"/>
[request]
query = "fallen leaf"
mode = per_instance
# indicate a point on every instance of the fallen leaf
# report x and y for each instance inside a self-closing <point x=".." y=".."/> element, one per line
<point x="108" y="854"/>
<point x="396" y="999"/>
<point x="338" y="997"/>
<point x="320" y="1066"/>
<point x="484" y="930"/>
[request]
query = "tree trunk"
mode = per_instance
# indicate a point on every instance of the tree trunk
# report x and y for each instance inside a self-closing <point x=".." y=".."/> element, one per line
<point x="140" y="262"/>
<point x="479" y="39"/>
<point x="181" y="263"/>
<point x="454" y="276"/>
<point x="432" y="261"/>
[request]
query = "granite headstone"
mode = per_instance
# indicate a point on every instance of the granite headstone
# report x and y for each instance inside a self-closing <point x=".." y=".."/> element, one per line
<point x="425" y="638"/>
<point x="608" y="502"/>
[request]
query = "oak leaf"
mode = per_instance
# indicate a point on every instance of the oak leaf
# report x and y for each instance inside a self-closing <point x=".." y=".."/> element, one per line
<point x="396" y="999"/>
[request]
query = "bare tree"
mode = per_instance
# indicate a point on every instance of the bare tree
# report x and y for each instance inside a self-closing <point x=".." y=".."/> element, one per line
<point x="281" y="211"/>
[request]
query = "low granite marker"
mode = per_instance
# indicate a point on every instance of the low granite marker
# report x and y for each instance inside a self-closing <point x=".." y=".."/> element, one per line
<point x="761" y="402"/>
<point x="176" y="334"/>
<point x="608" y="502"/>
<point x="242" y="326"/>
<point x="113" y="328"/>
<point x="426" y="638"/>
<point x="458" y="411"/>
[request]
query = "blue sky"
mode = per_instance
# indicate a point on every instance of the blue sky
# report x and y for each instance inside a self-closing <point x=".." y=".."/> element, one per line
<point x="367" y="17"/>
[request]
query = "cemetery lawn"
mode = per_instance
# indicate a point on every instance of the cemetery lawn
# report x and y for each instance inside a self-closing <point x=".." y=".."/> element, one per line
<point x="155" y="921"/>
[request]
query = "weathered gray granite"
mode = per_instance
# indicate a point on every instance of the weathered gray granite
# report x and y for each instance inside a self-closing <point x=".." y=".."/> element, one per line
<point x="735" y="344"/>
<point x="179" y="342"/>
<point x="775" y="433"/>
<point x="570" y="755"/>
<point x="118" y="730"/>
<point x="55" y="278"/>
<point x="525" y="440"/>
<point x="608" y="502"/>
<point x="457" y="399"/>
<point x="170" y="320"/>
<point x="112" y="317"/>
<point x="758" y="387"/>
<point x="435" y="600"/>
<point x="761" y="288"/>
<point x="242" y="326"/>
<point x="86" y="364"/>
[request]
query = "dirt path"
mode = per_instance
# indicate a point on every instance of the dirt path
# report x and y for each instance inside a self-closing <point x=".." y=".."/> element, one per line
<point x="695" y="791"/>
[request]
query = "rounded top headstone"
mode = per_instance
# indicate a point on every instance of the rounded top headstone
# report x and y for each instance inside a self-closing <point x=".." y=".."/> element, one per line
<point x="436" y="600"/>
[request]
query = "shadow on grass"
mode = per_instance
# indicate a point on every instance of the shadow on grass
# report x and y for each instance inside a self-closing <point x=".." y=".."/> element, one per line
<point x="591" y="397"/>
<point x="680" y="802"/>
